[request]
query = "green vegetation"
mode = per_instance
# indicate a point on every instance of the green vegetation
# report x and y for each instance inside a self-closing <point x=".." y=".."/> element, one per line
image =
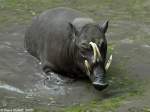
<point x="97" y="106"/>
<point x="21" y="11"/>
<point x="40" y="110"/>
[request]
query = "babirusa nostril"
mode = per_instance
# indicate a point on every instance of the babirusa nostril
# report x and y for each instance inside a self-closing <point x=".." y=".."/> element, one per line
<point x="100" y="86"/>
<point x="99" y="83"/>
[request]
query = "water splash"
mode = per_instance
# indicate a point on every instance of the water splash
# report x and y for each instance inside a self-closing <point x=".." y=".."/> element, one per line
<point x="10" y="88"/>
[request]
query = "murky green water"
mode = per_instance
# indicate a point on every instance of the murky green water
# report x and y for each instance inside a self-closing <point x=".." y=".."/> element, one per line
<point x="22" y="81"/>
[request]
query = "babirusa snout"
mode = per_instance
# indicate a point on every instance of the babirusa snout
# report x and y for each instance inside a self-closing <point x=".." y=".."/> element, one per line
<point x="108" y="63"/>
<point x="97" y="54"/>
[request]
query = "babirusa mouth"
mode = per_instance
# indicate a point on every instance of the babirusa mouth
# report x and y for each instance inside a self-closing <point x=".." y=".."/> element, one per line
<point x="108" y="63"/>
<point x="96" y="51"/>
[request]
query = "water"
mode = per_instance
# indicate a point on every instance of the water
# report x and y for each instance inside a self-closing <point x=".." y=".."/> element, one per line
<point x="22" y="80"/>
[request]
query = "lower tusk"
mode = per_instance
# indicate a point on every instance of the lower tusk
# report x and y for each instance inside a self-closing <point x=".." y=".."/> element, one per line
<point x="108" y="62"/>
<point x="94" y="50"/>
<point x="87" y="66"/>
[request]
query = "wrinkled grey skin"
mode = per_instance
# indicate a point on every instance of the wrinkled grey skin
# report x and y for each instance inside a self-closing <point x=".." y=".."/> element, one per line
<point x="60" y="40"/>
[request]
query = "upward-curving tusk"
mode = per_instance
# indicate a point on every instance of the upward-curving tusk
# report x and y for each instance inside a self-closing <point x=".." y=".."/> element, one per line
<point x="94" y="50"/>
<point x="108" y="62"/>
<point x="87" y="67"/>
<point x="98" y="53"/>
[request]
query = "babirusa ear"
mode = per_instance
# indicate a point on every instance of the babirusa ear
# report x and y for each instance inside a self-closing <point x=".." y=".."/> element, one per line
<point x="104" y="26"/>
<point x="73" y="29"/>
